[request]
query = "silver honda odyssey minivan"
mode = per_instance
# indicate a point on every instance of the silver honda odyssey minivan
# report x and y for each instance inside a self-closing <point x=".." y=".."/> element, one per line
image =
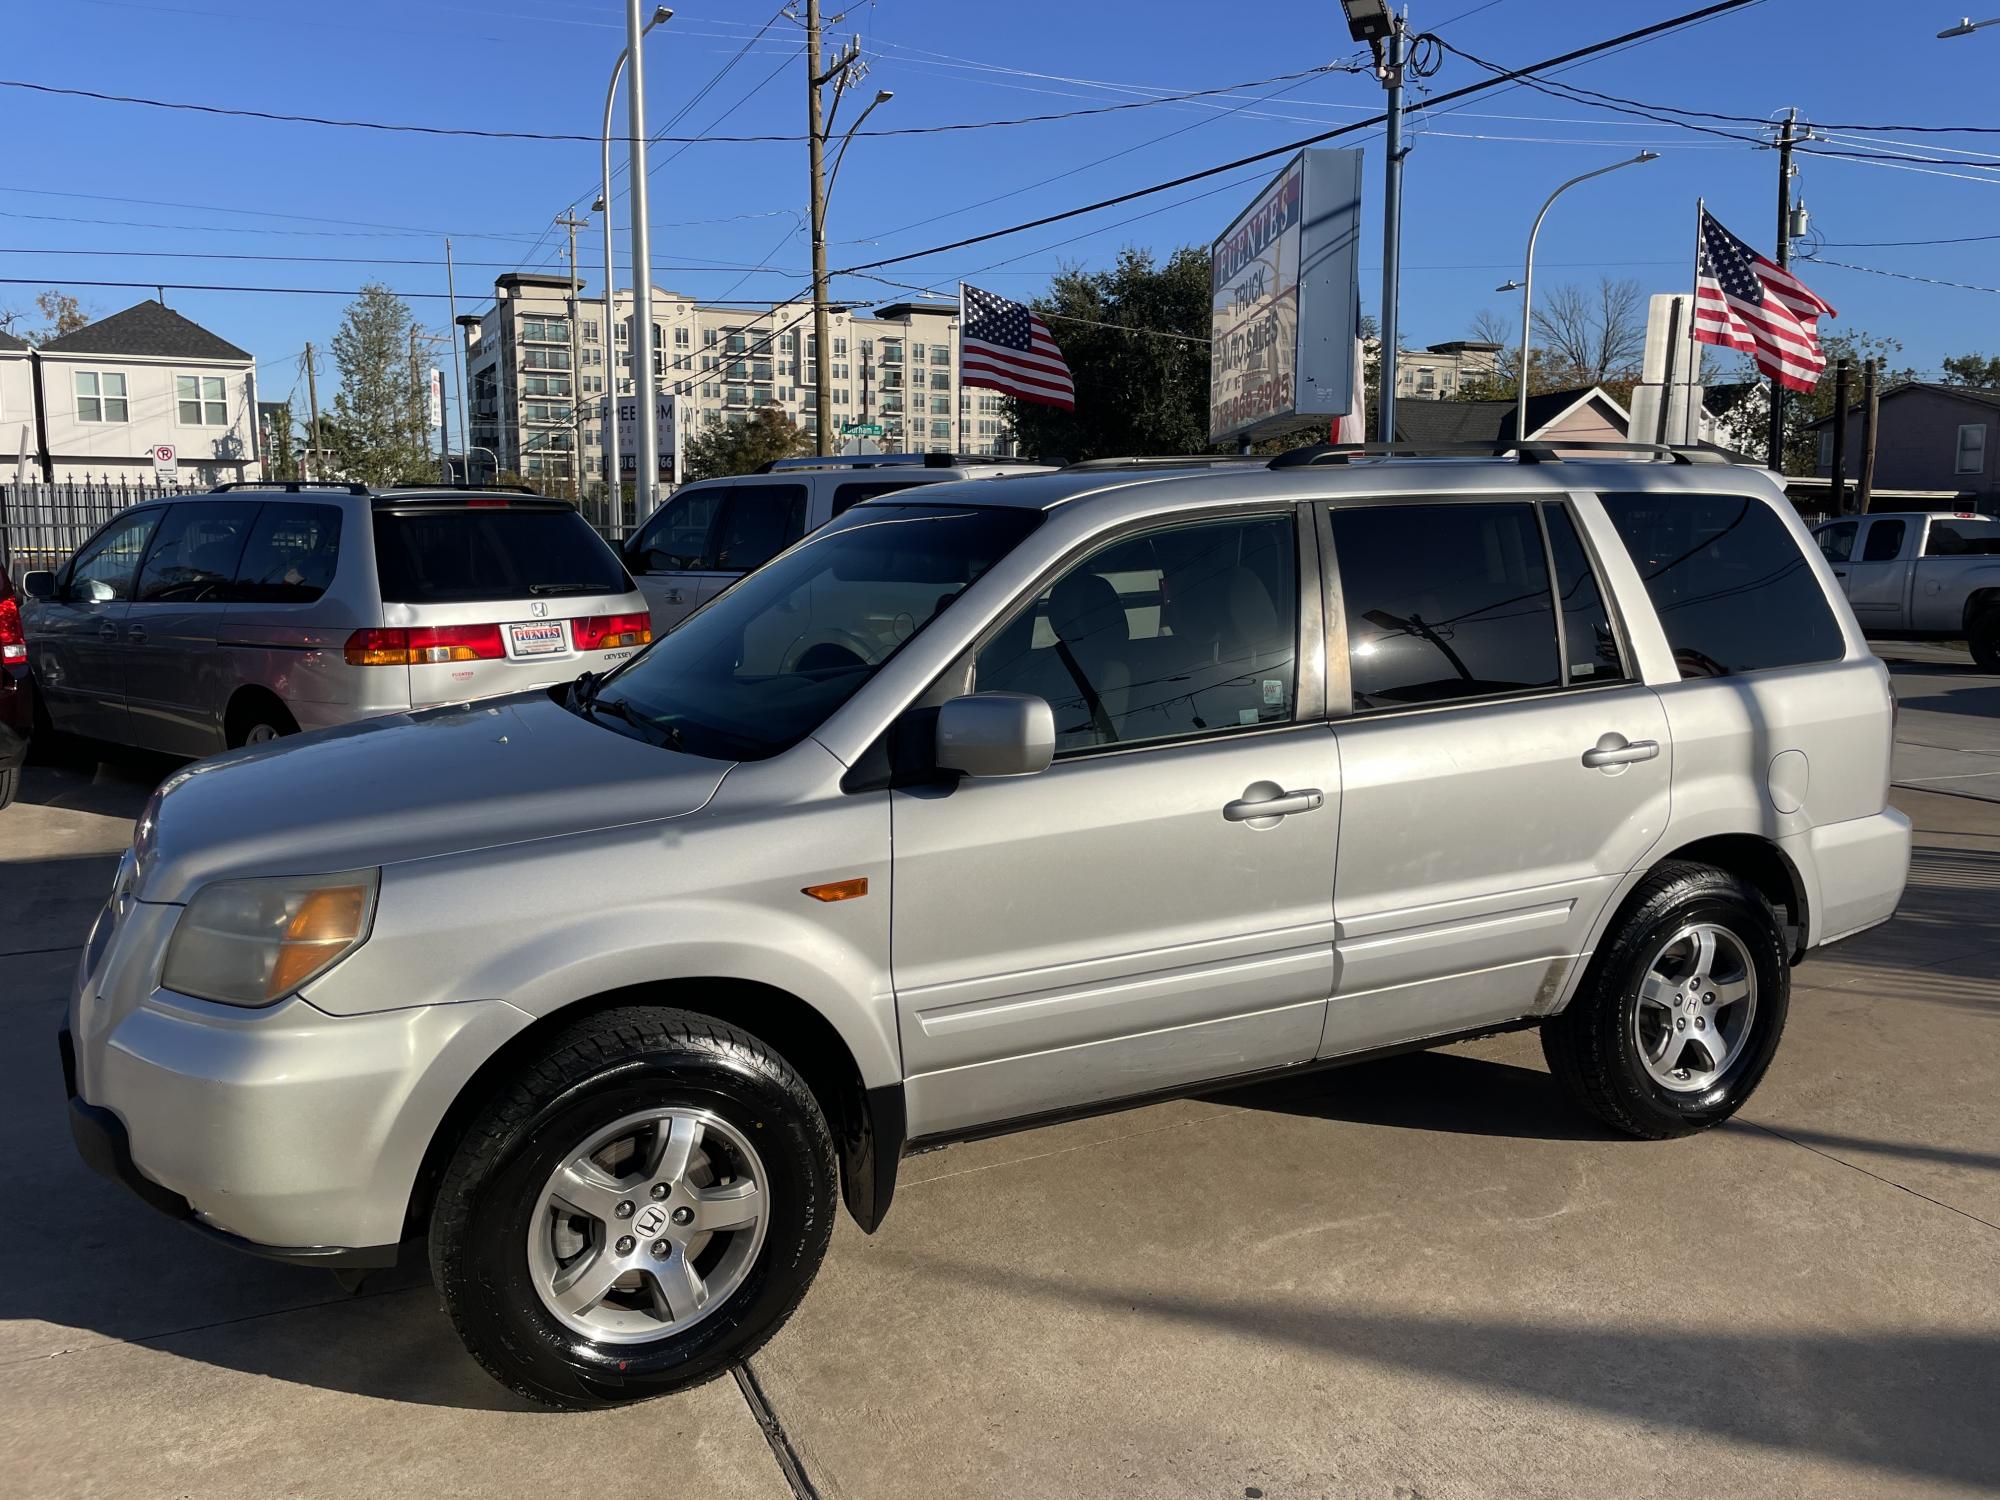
<point x="196" y="623"/>
<point x="981" y="805"/>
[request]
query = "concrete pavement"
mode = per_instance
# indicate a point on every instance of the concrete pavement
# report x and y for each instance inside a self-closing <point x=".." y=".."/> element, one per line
<point x="1418" y="1277"/>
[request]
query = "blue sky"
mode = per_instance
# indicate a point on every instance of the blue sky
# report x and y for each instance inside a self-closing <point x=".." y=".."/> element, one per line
<point x="90" y="176"/>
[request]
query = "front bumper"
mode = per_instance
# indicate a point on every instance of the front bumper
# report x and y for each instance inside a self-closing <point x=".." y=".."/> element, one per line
<point x="101" y="1141"/>
<point x="286" y="1131"/>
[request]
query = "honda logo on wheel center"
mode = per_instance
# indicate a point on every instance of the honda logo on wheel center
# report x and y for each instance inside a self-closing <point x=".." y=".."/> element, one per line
<point x="652" y="1219"/>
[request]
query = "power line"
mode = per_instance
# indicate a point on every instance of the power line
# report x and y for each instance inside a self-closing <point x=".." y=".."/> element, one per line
<point x="1963" y="286"/>
<point x="467" y="132"/>
<point x="1690" y="18"/>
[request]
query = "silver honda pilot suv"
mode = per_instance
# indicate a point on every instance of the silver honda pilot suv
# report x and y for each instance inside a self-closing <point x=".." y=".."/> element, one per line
<point x="977" y="807"/>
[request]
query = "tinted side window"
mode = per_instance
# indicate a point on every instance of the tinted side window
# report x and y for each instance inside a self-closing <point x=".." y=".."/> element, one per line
<point x="856" y="490"/>
<point x="1957" y="537"/>
<point x="194" y="557"/>
<point x="1587" y="634"/>
<point x="1731" y="587"/>
<point x="1444" y="602"/>
<point x="1176" y="632"/>
<point x="758" y="522"/>
<point x="291" y="556"/>
<point x="1836" y="542"/>
<point x="112" y="556"/>
<point x="1885" y="541"/>
<point x="676" y="539"/>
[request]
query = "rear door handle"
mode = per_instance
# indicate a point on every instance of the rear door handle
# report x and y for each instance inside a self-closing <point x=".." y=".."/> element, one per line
<point x="1616" y="750"/>
<point x="136" y="635"/>
<point x="1840" y="572"/>
<point x="1281" y="804"/>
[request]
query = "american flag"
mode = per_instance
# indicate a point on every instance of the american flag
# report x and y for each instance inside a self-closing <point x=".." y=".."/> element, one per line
<point x="1743" y="301"/>
<point x="1003" y="345"/>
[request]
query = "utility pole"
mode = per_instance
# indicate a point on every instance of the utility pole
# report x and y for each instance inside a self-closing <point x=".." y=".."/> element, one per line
<point x="1785" y="135"/>
<point x="1843" y="373"/>
<point x="419" y="394"/>
<point x="1865" y="491"/>
<point x="818" y="123"/>
<point x="457" y="357"/>
<point x="312" y="405"/>
<point x="572" y="223"/>
<point x="646" y="474"/>
<point x="1392" y="221"/>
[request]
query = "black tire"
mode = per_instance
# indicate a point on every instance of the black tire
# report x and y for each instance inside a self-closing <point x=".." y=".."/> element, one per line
<point x="50" y="746"/>
<point x="1591" y="1047"/>
<point x="595" y="1073"/>
<point x="1983" y="636"/>
<point x="10" y="785"/>
<point x="259" y="720"/>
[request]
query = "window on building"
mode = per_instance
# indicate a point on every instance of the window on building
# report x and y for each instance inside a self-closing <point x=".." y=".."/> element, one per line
<point x="535" y="358"/>
<point x="682" y="338"/>
<point x="1731" y="588"/>
<point x="590" y="330"/>
<point x="1971" y="449"/>
<point x="940" y="406"/>
<point x="709" y="337"/>
<point x="940" y="429"/>
<point x="940" y="380"/>
<point x="202" y="400"/>
<point x="545" y="330"/>
<point x="100" y="396"/>
<point x="840" y="346"/>
<point x="840" y="396"/>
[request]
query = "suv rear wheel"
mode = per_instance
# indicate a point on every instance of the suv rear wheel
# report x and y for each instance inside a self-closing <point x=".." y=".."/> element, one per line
<point x="1681" y="1010"/>
<point x="640" y="1210"/>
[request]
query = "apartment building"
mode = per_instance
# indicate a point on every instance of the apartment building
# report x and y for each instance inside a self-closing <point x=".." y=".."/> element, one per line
<point x="1440" y="370"/>
<point x="18" y="423"/>
<point x="891" y="366"/>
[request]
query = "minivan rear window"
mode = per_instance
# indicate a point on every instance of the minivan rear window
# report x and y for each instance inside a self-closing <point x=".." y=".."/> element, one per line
<point x="443" y="554"/>
<point x="1733" y="590"/>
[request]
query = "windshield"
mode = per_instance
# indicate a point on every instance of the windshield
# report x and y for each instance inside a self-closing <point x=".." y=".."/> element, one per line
<point x="763" y="666"/>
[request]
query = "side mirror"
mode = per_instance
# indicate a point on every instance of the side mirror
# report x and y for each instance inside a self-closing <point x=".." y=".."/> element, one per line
<point x="996" y="734"/>
<point x="40" y="584"/>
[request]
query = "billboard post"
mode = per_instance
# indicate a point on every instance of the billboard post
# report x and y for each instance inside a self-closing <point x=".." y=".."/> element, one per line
<point x="1284" y="301"/>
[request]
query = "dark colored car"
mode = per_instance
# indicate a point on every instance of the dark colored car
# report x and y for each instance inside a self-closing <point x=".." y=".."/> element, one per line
<point x="17" y="693"/>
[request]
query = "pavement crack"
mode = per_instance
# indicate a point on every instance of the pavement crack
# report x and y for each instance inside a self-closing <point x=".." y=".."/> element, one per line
<point x="1856" y="1167"/>
<point x="789" y="1462"/>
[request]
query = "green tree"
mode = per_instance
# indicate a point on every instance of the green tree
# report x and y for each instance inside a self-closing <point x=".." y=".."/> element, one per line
<point x="1979" y="370"/>
<point x="379" y="433"/>
<point x="1748" y="430"/>
<point x="725" y="447"/>
<point x="1135" y="338"/>
<point x="282" y="444"/>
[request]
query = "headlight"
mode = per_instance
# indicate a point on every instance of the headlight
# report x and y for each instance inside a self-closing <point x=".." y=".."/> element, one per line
<point x="250" y="942"/>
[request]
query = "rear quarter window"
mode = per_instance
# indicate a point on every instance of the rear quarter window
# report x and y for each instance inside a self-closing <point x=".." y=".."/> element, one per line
<point x="292" y="554"/>
<point x="441" y="554"/>
<point x="1731" y="587"/>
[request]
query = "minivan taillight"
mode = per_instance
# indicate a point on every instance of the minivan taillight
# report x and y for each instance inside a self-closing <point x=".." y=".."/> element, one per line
<point x="609" y="632"/>
<point x="13" y="644"/>
<point x="424" y="645"/>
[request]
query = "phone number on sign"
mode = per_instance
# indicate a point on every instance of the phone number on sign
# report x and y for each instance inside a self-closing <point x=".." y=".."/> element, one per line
<point x="1257" y="401"/>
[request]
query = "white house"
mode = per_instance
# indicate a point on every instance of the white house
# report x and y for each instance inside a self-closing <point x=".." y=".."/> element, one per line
<point x="17" y="406"/>
<point x="114" y="389"/>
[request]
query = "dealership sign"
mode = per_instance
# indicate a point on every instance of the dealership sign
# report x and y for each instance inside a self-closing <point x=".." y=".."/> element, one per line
<point x="666" y="424"/>
<point x="1284" y="300"/>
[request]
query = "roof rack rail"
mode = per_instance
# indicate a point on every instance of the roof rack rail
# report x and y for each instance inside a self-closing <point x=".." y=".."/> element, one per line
<point x="1164" y="461"/>
<point x="894" y="461"/>
<point x="467" y="484"/>
<point x="1531" y="452"/>
<point x="291" y="486"/>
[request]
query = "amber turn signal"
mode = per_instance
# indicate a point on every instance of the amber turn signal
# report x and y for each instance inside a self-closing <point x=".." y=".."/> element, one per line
<point x="839" y="890"/>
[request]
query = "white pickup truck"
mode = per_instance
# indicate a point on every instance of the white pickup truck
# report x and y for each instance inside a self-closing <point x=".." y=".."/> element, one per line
<point x="1915" y="575"/>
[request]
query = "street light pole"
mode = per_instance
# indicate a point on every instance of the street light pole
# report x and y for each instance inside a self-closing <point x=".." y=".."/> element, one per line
<point x="1967" y="26"/>
<point x="612" y="457"/>
<point x="647" y="473"/>
<point x="819" y="124"/>
<point x="1392" y="225"/>
<point x="1528" y="284"/>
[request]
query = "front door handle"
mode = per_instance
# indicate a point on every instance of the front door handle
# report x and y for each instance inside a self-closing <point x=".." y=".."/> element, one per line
<point x="1616" y="750"/>
<point x="1273" y="803"/>
<point x="107" y="632"/>
<point x="1840" y="572"/>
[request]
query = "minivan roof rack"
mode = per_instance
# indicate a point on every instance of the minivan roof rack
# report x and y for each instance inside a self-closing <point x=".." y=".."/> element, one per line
<point x="291" y="486"/>
<point x="893" y="461"/>
<point x="1164" y="461"/>
<point x="1542" y="452"/>
<point x="467" y="484"/>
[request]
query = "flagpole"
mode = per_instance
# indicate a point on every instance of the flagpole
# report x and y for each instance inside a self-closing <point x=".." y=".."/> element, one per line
<point x="1690" y="422"/>
<point x="958" y="386"/>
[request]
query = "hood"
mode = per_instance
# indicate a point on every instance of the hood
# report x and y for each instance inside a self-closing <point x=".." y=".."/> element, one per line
<point x="411" y="786"/>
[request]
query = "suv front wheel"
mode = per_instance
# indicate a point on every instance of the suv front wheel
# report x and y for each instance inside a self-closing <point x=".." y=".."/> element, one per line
<point x="1681" y="1009"/>
<point x="640" y="1210"/>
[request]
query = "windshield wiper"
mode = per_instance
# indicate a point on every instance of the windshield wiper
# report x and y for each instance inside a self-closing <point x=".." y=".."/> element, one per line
<point x="583" y="698"/>
<point x="570" y="588"/>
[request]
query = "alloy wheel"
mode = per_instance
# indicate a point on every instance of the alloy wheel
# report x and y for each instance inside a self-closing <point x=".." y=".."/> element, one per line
<point x="1696" y="1005"/>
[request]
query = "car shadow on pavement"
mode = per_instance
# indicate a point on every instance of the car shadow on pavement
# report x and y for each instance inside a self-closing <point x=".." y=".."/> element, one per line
<point x="1915" y="1402"/>
<point x="112" y="781"/>
<point x="1441" y="1090"/>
